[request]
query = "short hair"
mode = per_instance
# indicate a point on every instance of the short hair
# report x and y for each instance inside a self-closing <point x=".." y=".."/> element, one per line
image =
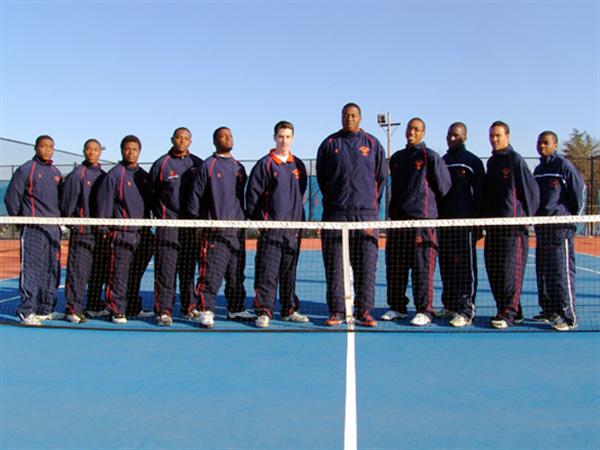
<point x="85" y="144"/>
<point x="499" y="123"/>
<point x="41" y="138"/>
<point x="419" y="119"/>
<point x="549" y="133"/>
<point x="180" y="129"/>
<point x="351" y="105"/>
<point x="130" y="138"/>
<point x="283" y="124"/>
<point x="458" y="124"/>
<point x="216" y="132"/>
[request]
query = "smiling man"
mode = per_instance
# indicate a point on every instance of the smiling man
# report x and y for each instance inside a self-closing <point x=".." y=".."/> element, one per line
<point x="351" y="172"/>
<point x="509" y="191"/>
<point x="419" y="180"/>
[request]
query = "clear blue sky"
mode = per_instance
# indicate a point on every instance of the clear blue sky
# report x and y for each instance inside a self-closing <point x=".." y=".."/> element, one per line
<point x="81" y="69"/>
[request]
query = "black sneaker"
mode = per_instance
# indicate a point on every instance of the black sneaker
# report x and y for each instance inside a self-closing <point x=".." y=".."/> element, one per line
<point x="76" y="318"/>
<point x="543" y="317"/>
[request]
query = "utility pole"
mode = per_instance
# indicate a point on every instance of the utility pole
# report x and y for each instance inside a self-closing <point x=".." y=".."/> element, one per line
<point x="385" y="121"/>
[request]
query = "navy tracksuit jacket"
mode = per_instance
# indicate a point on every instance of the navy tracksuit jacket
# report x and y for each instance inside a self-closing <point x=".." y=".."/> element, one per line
<point x="34" y="192"/>
<point x="458" y="255"/>
<point x="176" y="248"/>
<point x="562" y="192"/>
<point x="88" y="259"/>
<point x="419" y="180"/>
<point x="509" y="191"/>
<point x="125" y="192"/>
<point x="351" y="172"/>
<point x="276" y="192"/>
<point x="218" y="194"/>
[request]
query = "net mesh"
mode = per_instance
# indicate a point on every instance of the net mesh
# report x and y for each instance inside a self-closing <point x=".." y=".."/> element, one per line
<point x="480" y="269"/>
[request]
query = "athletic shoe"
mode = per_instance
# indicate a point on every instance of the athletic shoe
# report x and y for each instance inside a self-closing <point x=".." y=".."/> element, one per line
<point x="119" y="318"/>
<point x="97" y="314"/>
<point x="519" y="319"/>
<point x="498" y="322"/>
<point x="207" y="319"/>
<point x="241" y="315"/>
<point x="560" y="324"/>
<point x="543" y="317"/>
<point x="334" y="319"/>
<point x="143" y="315"/>
<point x="50" y="316"/>
<point x="366" y="320"/>
<point x="31" y="320"/>
<point x="420" y="320"/>
<point x="262" y="321"/>
<point x="459" y="321"/>
<point x="164" y="320"/>
<point x="391" y="314"/>
<point x="194" y="315"/>
<point x="444" y="313"/>
<point x="296" y="317"/>
<point x="76" y="318"/>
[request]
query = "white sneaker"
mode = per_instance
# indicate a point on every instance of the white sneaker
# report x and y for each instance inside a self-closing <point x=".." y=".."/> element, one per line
<point x="262" y="321"/>
<point x="50" y="316"/>
<point x="420" y="319"/>
<point x="76" y="318"/>
<point x="241" y="315"/>
<point x="459" y="321"/>
<point x="444" y="313"/>
<point x="98" y="314"/>
<point x="143" y="314"/>
<point x="207" y="319"/>
<point x="295" y="317"/>
<point x="164" y="320"/>
<point x="31" y="320"/>
<point x="119" y="318"/>
<point x="390" y="315"/>
<point x="499" y="323"/>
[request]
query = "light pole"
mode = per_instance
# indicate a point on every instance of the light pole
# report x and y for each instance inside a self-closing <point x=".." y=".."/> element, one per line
<point x="385" y="121"/>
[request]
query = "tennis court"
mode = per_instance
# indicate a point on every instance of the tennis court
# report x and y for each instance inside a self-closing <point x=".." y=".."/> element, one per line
<point x="100" y="386"/>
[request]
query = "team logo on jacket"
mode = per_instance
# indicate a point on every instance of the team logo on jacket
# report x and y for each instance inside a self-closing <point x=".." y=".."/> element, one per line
<point x="364" y="151"/>
<point x="506" y="173"/>
<point x="275" y="174"/>
<point x="296" y="173"/>
<point x="554" y="183"/>
<point x="337" y="151"/>
<point x="39" y="175"/>
<point x="462" y="172"/>
<point x="89" y="183"/>
<point x="128" y="183"/>
<point x="218" y="174"/>
<point x="418" y="164"/>
<point x="57" y="179"/>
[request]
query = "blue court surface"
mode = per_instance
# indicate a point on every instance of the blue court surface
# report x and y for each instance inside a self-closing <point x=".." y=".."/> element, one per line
<point x="105" y="386"/>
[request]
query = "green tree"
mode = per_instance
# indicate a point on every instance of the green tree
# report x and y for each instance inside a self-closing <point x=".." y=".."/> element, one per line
<point x="584" y="152"/>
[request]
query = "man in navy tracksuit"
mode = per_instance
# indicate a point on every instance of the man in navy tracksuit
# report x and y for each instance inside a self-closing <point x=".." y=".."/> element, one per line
<point x="562" y="192"/>
<point x="509" y="191"/>
<point x="458" y="255"/>
<point x="172" y="178"/>
<point x="351" y="172"/>
<point x="218" y="194"/>
<point x="34" y="192"/>
<point x="419" y="180"/>
<point x="276" y="192"/>
<point x="87" y="263"/>
<point x="125" y="193"/>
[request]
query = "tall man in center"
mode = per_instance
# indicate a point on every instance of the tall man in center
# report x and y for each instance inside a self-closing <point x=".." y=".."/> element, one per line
<point x="351" y="172"/>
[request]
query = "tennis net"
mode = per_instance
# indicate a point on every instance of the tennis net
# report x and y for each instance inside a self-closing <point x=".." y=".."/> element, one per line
<point x="339" y="276"/>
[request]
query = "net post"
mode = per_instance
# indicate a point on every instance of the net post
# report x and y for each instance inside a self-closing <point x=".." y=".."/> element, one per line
<point x="348" y="297"/>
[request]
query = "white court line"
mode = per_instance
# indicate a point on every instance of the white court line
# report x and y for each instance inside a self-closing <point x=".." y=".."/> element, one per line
<point x="585" y="269"/>
<point x="10" y="299"/>
<point x="350" y="431"/>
